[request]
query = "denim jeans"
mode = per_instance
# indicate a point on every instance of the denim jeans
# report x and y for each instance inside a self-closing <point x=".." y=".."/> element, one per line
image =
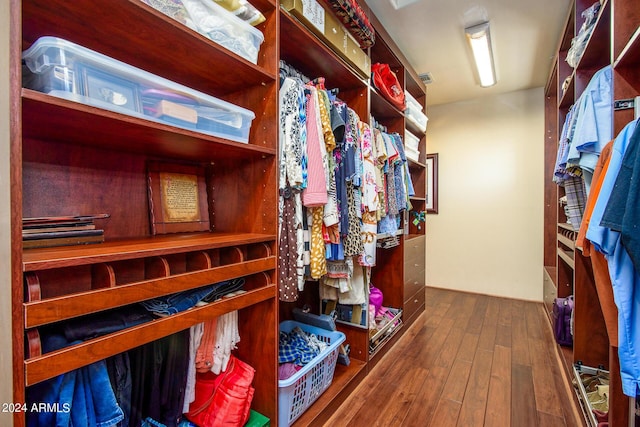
<point x="222" y="288"/>
<point x="106" y="322"/>
<point x="175" y="303"/>
<point x="119" y="370"/>
<point x="84" y="397"/>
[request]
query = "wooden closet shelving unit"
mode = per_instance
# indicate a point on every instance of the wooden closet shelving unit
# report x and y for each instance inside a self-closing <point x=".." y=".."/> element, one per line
<point x="70" y="159"/>
<point x="614" y="41"/>
<point x="399" y="271"/>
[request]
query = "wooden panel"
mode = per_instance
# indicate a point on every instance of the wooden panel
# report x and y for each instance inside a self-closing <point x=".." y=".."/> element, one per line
<point x="234" y="208"/>
<point x="550" y="292"/>
<point x="64" y="360"/>
<point x="487" y="338"/>
<point x="626" y="17"/>
<point x="413" y="307"/>
<point x="523" y="407"/>
<point x="68" y="306"/>
<point x="456" y="384"/>
<point x="590" y="341"/>
<point x="446" y="413"/>
<point x="388" y="275"/>
<point x="499" y="400"/>
<point x="618" y="402"/>
<point x="473" y="409"/>
<point x="59" y="120"/>
<point x="41" y="259"/>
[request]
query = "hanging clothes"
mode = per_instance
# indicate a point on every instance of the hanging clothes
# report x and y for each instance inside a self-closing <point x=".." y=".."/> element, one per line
<point x="625" y="279"/>
<point x="593" y="123"/>
<point x="293" y="177"/>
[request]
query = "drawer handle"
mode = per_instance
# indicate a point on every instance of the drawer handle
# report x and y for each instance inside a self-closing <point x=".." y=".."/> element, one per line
<point x="334" y="31"/>
<point x="415" y="300"/>
<point x="416" y="265"/>
<point x="415" y="283"/>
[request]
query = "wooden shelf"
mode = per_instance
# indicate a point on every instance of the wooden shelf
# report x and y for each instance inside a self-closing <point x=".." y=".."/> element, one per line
<point x="596" y="54"/>
<point x="381" y="108"/>
<point x="567" y="258"/>
<point x="566" y="226"/>
<point x="137" y="34"/>
<point x="566" y="241"/>
<point x="66" y="256"/>
<point x="630" y="55"/>
<point x="567" y="97"/>
<point x="414" y="164"/>
<point x="51" y="364"/>
<point x="59" y="120"/>
<point x="65" y="307"/>
<point x="312" y="57"/>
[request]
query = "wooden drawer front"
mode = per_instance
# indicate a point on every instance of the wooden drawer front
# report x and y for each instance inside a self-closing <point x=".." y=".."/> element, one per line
<point x="413" y="304"/>
<point x="414" y="281"/>
<point x="414" y="262"/>
<point x="415" y="249"/>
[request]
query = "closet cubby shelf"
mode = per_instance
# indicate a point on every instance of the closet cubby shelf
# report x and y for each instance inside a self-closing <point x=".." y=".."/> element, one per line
<point x="567" y="96"/>
<point x="382" y="109"/>
<point x="154" y="42"/>
<point x="312" y="57"/>
<point x="630" y="55"/>
<point x="598" y="42"/>
<point x="56" y="119"/>
<point x="57" y="362"/>
<point x="413" y="128"/>
<point x="566" y="241"/>
<point x="566" y="257"/>
<point x="413" y="163"/>
<point x="66" y="256"/>
<point x="65" y="307"/>
<point x="565" y="226"/>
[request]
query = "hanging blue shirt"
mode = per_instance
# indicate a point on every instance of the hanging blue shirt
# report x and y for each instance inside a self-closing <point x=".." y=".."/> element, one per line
<point x="624" y="278"/>
<point x="594" y="123"/>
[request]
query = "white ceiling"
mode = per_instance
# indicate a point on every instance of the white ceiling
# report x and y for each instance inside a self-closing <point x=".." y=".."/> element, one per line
<point x="430" y="33"/>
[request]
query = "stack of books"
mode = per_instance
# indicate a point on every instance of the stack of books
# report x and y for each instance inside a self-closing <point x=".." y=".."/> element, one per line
<point x="45" y="232"/>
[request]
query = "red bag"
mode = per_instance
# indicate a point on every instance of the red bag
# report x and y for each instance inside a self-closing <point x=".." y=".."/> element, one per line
<point x="225" y="399"/>
<point x="386" y="82"/>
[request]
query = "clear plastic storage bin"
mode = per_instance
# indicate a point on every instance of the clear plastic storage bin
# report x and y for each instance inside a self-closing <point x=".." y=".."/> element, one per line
<point x="416" y="117"/>
<point x="412" y="102"/>
<point x="67" y="70"/>
<point x="215" y="22"/>
<point x="297" y="393"/>
<point x="411" y="141"/>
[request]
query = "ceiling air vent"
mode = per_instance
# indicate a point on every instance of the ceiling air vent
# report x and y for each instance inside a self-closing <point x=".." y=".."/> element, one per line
<point x="426" y="78"/>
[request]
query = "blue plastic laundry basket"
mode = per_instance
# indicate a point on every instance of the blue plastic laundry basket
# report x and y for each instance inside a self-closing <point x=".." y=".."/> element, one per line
<point x="297" y="393"/>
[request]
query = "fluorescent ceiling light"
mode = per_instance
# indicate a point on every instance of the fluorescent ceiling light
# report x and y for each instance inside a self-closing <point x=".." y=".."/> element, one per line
<point x="399" y="4"/>
<point x="480" y="42"/>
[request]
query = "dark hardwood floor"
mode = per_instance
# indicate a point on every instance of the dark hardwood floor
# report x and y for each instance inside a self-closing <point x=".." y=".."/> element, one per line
<point x="469" y="360"/>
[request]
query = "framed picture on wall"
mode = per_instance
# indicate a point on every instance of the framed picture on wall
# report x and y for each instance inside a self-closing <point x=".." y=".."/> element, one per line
<point x="432" y="183"/>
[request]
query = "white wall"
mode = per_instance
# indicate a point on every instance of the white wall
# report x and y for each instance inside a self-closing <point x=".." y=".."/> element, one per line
<point x="6" y="355"/>
<point x="487" y="237"/>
